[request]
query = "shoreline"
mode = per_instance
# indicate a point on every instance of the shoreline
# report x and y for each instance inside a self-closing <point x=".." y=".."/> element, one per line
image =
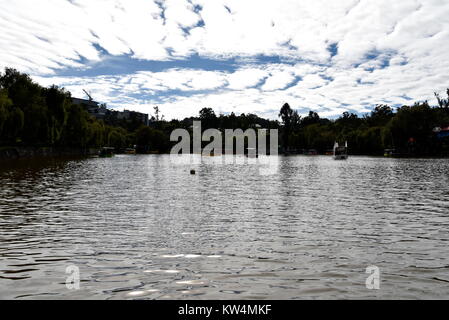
<point x="19" y="153"/>
<point x="8" y="154"/>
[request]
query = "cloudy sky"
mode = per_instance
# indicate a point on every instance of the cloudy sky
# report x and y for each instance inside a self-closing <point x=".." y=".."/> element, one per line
<point x="245" y="56"/>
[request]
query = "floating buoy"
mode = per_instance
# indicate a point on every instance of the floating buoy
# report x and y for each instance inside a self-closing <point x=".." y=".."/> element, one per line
<point x="192" y="171"/>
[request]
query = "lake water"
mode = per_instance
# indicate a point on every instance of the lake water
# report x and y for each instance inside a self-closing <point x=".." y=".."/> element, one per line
<point x="139" y="227"/>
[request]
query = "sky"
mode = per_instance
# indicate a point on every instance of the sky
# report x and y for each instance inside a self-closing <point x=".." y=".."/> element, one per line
<point x="241" y="56"/>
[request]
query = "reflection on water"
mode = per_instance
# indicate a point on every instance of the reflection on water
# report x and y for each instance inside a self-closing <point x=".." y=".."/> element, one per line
<point x="140" y="228"/>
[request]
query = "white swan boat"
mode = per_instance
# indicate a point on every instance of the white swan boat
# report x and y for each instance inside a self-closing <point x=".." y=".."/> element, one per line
<point x="341" y="153"/>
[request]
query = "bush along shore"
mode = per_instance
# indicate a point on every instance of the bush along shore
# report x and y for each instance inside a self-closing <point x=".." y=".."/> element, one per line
<point x="39" y="121"/>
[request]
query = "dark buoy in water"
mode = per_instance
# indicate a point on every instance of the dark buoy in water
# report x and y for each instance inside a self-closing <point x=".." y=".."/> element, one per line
<point x="192" y="172"/>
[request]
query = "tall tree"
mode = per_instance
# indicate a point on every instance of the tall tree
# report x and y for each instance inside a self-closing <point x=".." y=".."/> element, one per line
<point x="208" y="118"/>
<point x="288" y="117"/>
<point x="57" y="101"/>
<point x="76" y="132"/>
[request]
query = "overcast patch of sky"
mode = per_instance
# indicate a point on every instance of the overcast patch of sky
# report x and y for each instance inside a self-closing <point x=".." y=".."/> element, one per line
<point x="232" y="55"/>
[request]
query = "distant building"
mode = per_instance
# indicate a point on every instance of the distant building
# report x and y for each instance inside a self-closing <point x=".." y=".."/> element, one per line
<point x="129" y="115"/>
<point x="89" y="105"/>
<point x="100" y="111"/>
<point x="93" y="107"/>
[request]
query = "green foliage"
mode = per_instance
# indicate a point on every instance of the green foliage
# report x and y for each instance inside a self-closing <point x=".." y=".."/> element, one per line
<point x="33" y="115"/>
<point x="409" y="131"/>
<point x="57" y="101"/>
<point x="96" y="134"/>
<point x="5" y="105"/>
<point x="117" y="138"/>
<point x="76" y="129"/>
<point x="14" y="125"/>
<point x="37" y="116"/>
<point x="149" y="139"/>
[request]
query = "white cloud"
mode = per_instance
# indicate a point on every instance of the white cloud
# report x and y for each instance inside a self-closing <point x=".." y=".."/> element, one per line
<point x="311" y="81"/>
<point x="407" y="40"/>
<point x="246" y="78"/>
<point x="278" y="80"/>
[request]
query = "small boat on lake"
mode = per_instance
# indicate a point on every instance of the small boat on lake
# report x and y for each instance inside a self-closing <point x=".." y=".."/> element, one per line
<point x="341" y="153"/>
<point x="391" y="153"/>
<point x="130" y="151"/>
<point x="106" y="152"/>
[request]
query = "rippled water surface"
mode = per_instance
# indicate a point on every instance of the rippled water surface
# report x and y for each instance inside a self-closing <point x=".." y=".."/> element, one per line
<point x="138" y="227"/>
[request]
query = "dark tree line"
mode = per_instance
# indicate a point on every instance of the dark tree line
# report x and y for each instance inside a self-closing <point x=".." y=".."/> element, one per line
<point x="31" y="115"/>
<point x="409" y="130"/>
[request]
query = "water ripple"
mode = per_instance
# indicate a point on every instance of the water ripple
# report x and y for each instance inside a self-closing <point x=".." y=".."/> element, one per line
<point x="138" y="227"/>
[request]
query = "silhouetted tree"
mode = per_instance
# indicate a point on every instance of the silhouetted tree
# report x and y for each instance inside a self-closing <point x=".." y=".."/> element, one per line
<point x="208" y="118"/>
<point x="443" y="103"/>
<point x="288" y="117"/>
<point x="312" y="118"/>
